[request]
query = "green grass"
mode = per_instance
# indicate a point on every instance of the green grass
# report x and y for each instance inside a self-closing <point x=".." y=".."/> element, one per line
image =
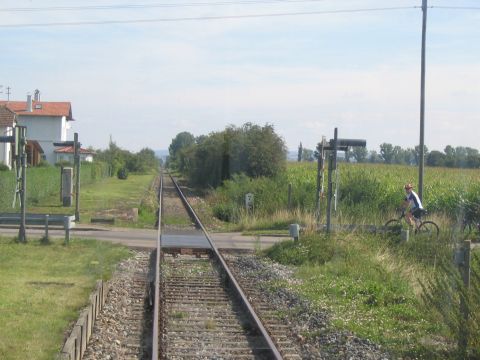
<point x="110" y="197"/>
<point x="369" y="288"/>
<point x="44" y="182"/>
<point x="42" y="290"/>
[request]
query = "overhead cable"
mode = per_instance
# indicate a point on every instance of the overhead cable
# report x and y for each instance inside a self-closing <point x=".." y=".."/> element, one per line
<point x="151" y="5"/>
<point x="205" y="18"/>
<point x="456" y="7"/>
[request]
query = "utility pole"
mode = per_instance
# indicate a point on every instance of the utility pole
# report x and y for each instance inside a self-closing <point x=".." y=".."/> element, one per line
<point x="22" y="237"/>
<point x="422" y="104"/>
<point x="76" y="160"/>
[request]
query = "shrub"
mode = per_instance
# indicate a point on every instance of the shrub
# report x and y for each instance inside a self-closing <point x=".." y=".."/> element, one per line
<point x="4" y="167"/>
<point x="224" y="212"/>
<point x="63" y="163"/>
<point x="122" y="174"/>
<point x="43" y="163"/>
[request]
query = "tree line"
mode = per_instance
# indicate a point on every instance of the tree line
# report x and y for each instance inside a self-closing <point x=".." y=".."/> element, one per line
<point x="208" y="160"/>
<point x="455" y="157"/>
<point x="121" y="161"/>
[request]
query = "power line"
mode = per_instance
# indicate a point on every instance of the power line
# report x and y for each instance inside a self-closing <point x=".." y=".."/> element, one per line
<point x="456" y="7"/>
<point x="152" y="5"/>
<point x="204" y="18"/>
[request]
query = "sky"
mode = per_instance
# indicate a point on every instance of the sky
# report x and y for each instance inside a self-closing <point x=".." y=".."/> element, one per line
<point x="140" y="72"/>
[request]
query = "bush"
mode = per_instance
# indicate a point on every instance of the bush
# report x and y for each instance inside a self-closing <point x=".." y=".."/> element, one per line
<point x="63" y="163"/>
<point x="4" y="167"/>
<point x="224" y="212"/>
<point x="43" y="163"/>
<point x="122" y="174"/>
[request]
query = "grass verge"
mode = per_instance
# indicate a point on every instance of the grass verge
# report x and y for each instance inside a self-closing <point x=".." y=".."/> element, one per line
<point x="370" y="288"/>
<point x="43" y="289"/>
<point x="111" y="197"/>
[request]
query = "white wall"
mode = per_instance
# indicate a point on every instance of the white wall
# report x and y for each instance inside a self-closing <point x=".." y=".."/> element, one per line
<point x="46" y="130"/>
<point x="5" y="148"/>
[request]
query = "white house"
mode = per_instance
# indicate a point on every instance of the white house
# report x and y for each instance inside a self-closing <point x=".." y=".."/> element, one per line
<point x="7" y="123"/>
<point x="46" y="122"/>
<point x="66" y="154"/>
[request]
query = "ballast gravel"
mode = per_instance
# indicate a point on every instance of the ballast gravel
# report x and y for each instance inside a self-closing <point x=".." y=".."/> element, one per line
<point x="301" y="316"/>
<point x="113" y="333"/>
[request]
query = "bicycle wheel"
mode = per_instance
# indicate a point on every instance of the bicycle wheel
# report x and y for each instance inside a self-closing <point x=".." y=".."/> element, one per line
<point x="392" y="227"/>
<point x="429" y="229"/>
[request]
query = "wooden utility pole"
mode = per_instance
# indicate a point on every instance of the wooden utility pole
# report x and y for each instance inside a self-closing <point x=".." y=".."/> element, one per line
<point x="422" y="104"/>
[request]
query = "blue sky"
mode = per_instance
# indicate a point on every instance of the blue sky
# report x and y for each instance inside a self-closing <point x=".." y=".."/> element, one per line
<point x="142" y="83"/>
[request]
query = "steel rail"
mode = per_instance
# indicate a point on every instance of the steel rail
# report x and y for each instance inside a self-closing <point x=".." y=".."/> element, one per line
<point x="156" y="308"/>
<point x="236" y="286"/>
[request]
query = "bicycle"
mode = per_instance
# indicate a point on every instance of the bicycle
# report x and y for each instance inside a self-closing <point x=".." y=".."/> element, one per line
<point x="424" y="228"/>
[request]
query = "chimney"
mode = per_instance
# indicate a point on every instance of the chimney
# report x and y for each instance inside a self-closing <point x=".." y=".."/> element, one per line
<point x="29" y="103"/>
<point x="37" y="95"/>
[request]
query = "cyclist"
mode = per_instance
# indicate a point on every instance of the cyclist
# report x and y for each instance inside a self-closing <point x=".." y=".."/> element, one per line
<point x="413" y="202"/>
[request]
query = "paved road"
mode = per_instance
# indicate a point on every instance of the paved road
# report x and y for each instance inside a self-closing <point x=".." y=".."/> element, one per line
<point x="140" y="238"/>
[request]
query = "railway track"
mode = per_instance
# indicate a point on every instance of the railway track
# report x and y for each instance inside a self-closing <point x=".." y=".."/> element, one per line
<point x="209" y="305"/>
<point x="201" y="311"/>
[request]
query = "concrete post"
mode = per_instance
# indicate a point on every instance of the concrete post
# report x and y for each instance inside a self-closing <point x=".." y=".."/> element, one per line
<point x="67" y="188"/>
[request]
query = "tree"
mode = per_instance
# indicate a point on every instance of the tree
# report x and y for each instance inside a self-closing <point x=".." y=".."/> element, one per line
<point x="417" y="153"/>
<point x="251" y="149"/>
<point x="435" y="158"/>
<point x="387" y="153"/>
<point x="307" y="155"/>
<point x="374" y="157"/>
<point x="450" y="156"/>
<point x="398" y="156"/>
<point x="118" y="158"/>
<point x="410" y="155"/>
<point x="359" y="153"/>
<point x="114" y="156"/>
<point x="181" y="142"/>
<point x="142" y="161"/>
<point x="460" y="156"/>
<point x="473" y="158"/>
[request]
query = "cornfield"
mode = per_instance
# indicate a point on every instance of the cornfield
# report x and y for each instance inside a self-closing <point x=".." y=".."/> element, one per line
<point x="364" y="191"/>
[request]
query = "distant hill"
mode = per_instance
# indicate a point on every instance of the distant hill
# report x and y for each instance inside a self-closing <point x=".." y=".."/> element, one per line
<point x="162" y="154"/>
<point x="292" y="155"/>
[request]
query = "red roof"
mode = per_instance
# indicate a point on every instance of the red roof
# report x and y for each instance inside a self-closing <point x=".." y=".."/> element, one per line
<point x="7" y="117"/>
<point x="40" y="108"/>
<point x="69" y="150"/>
